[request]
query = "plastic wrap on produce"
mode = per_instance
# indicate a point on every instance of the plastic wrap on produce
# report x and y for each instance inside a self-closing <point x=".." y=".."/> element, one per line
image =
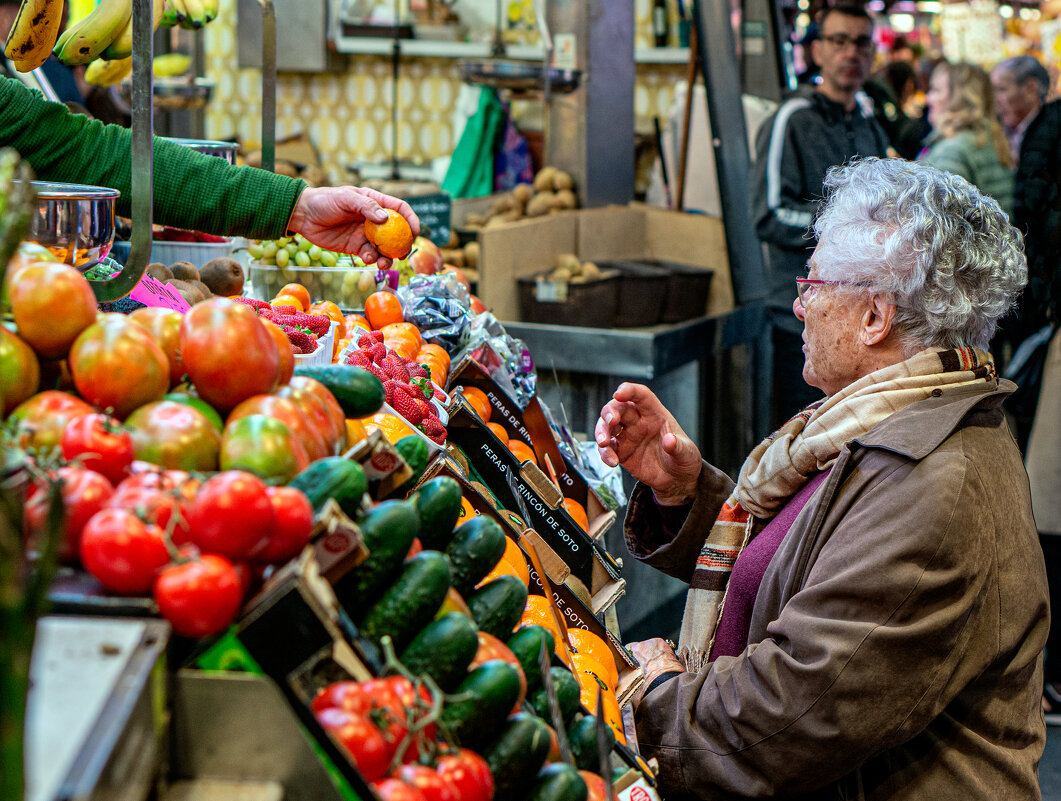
<point x="510" y="364"/>
<point x="440" y="306"/>
<point x="606" y="481"/>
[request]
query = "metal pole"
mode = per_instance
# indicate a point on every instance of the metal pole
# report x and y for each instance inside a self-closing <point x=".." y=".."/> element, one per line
<point x="268" y="85"/>
<point x="142" y="167"/>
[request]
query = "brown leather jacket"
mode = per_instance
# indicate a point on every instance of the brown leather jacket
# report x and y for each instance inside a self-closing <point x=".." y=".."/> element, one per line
<point x="896" y="641"/>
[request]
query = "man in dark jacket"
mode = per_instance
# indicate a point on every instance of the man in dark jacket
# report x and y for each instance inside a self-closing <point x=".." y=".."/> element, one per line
<point x="811" y="132"/>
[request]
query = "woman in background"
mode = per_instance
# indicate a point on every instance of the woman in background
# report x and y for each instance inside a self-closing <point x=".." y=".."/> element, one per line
<point x="967" y="139"/>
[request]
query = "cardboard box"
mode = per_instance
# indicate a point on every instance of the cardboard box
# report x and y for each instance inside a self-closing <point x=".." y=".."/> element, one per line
<point x="527" y="247"/>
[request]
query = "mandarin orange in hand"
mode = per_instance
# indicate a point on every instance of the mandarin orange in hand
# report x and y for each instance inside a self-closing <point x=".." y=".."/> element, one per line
<point x="393" y="238"/>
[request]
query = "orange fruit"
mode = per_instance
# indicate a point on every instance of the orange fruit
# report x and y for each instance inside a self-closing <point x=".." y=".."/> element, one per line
<point x="596" y="789"/>
<point x="514" y="556"/>
<point x="586" y="642"/>
<point x="355" y="431"/>
<point x="467" y="511"/>
<point x="577" y="512"/>
<point x="499" y="430"/>
<point x="438" y="370"/>
<point x="453" y="602"/>
<point x="404" y="329"/>
<point x="288" y="300"/>
<point x="478" y="400"/>
<point x="392" y="426"/>
<point x="586" y="665"/>
<point x="430" y="348"/>
<point x="296" y="290"/>
<point x="383" y="308"/>
<point x="352" y="321"/>
<point x="523" y="451"/>
<point x="393" y="238"/>
<point x="403" y="344"/>
<point x="506" y="568"/>
<point x="327" y="308"/>
<point x="537" y="613"/>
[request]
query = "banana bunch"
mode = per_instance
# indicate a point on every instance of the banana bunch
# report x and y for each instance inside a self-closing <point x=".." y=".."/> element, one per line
<point x="33" y="33"/>
<point x="107" y="32"/>
<point x="192" y="14"/>
<point x="108" y="73"/>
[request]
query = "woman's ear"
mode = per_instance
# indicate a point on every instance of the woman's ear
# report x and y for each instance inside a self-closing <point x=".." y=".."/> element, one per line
<point x="877" y="320"/>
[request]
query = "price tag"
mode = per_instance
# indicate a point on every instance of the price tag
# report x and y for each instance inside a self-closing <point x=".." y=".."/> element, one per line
<point x="151" y="292"/>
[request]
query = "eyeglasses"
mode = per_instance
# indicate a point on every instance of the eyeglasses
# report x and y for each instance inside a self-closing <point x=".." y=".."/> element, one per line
<point x="807" y="288"/>
<point x="863" y="44"/>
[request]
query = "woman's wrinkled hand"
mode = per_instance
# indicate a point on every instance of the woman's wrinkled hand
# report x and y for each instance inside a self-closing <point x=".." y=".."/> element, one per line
<point x="636" y="431"/>
<point x="656" y="658"/>
<point x="334" y="218"/>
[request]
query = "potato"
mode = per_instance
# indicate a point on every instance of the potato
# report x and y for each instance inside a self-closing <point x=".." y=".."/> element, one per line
<point x="543" y="181"/>
<point x="471" y="254"/>
<point x="540" y="204"/>
<point x="523" y="193"/>
<point x="590" y="271"/>
<point x="569" y="262"/>
<point x="563" y="180"/>
<point x="560" y="275"/>
<point x="474" y="219"/>
<point x="565" y="199"/>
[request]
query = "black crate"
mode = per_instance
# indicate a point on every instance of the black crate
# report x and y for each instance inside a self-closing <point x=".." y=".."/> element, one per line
<point x="642" y="293"/>
<point x="590" y="303"/>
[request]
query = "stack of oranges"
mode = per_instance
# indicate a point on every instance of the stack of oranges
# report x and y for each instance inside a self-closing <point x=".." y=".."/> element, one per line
<point x="480" y="404"/>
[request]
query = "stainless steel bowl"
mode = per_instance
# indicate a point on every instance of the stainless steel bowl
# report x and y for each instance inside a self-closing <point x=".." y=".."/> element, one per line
<point x="175" y="93"/>
<point x="224" y="150"/>
<point x="73" y="221"/>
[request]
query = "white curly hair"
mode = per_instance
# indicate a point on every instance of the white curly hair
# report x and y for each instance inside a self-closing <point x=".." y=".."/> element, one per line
<point x="945" y="251"/>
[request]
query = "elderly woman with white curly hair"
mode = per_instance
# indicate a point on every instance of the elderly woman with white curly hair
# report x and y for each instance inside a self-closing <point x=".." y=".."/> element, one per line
<point x="867" y="604"/>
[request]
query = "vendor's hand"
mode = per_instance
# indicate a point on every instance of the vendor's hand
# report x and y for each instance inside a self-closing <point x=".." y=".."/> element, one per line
<point x="334" y="218"/>
<point x="636" y="431"/>
<point x="656" y="658"/>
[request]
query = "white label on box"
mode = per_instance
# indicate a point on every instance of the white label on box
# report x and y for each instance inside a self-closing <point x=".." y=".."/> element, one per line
<point x="551" y="291"/>
<point x="638" y="791"/>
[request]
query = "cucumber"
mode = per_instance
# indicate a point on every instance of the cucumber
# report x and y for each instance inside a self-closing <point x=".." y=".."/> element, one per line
<point x="487" y="695"/>
<point x="438" y="502"/>
<point x="567" y="695"/>
<point x="333" y="477"/>
<point x="358" y="391"/>
<point x="497" y="607"/>
<point x="526" y="645"/>
<point x="388" y="531"/>
<point x="443" y="650"/>
<point x="558" y="782"/>
<point x="582" y="739"/>
<point x="410" y="602"/>
<point x="414" y="451"/>
<point x="474" y="550"/>
<point x="517" y="754"/>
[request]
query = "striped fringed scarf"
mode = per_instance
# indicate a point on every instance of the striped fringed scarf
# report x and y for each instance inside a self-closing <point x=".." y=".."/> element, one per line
<point x="788" y="458"/>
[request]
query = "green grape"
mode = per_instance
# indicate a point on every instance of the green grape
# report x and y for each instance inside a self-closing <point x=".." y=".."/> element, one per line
<point x="283" y="256"/>
<point x="304" y="244"/>
<point x="283" y="241"/>
<point x="287" y="275"/>
<point x="302" y="258"/>
<point x="255" y="250"/>
<point x="292" y="248"/>
<point x="269" y="250"/>
<point x="314" y="253"/>
<point x="328" y="259"/>
<point x="270" y="261"/>
<point x="366" y="280"/>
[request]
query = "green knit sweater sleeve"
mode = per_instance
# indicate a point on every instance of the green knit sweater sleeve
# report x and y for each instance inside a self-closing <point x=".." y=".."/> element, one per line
<point x="192" y="191"/>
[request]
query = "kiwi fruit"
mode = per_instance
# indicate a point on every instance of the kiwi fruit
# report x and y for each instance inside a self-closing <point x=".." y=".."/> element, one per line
<point x="187" y="291"/>
<point x="184" y="271"/>
<point x="203" y="289"/>
<point x="223" y="275"/>
<point x="159" y="271"/>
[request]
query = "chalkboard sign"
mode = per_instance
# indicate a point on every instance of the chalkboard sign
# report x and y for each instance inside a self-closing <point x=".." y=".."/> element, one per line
<point x="434" y="213"/>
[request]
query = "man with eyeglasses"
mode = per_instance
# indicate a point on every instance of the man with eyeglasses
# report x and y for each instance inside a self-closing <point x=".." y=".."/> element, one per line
<point x="818" y="128"/>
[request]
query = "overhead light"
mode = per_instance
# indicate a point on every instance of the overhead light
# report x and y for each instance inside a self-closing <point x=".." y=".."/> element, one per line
<point x="803" y="21"/>
<point x="1029" y="13"/>
<point x="876" y="6"/>
<point x="903" y="23"/>
<point x="803" y="5"/>
<point x="929" y="6"/>
<point x="1006" y="12"/>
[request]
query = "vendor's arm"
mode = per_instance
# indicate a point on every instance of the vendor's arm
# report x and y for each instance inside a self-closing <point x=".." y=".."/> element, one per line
<point x="870" y="650"/>
<point x="782" y="208"/>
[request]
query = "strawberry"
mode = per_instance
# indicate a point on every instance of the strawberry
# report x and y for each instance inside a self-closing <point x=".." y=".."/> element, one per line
<point x="389" y="387"/>
<point x="392" y="365"/>
<point x="427" y="408"/>
<point x="405" y="405"/>
<point x="434" y="430"/>
<point x="417" y="370"/>
<point x="359" y="359"/>
<point x="317" y="323"/>
<point x="304" y="342"/>
<point x="438" y="394"/>
<point x="377" y="372"/>
<point x="257" y="305"/>
<point x="426" y="388"/>
<point x="378" y="336"/>
<point x="286" y="310"/>
<point x="379" y="352"/>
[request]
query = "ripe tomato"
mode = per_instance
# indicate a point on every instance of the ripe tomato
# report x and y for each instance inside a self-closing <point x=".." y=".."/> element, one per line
<point x="347" y="695"/>
<point x="157" y="497"/>
<point x="325" y="396"/>
<point x="597" y="790"/>
<point x="175" y="436"/>
<point x="208" y="411"/>
<point x="263" y="446"/>
<point x="122" y="551"/>
<point x="43" y="418"/>
<point x="199" y="597"/>
<point x="316" y="410"/>
<point x="292" y="524"/>
<point x="164" y="326"/>
<point x="397" y="698"/>
<point x="284" y="350"/>
<point x="20" y="372"/>
<point x="490" y="647"/>
<point x="469" y="773"/>
<point x="52" y="303"/>
<point x="290" y="414"/>
<point x="231" y="515"/>
<point x="101" y="443"/>
<point x="84" y="493"/>
<point x="227" y="353"/>
<point x="361" y="739"/>
<point x="391" y="789"/>
<point x="434" y="786"/>
<point x="117" y="365"/>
